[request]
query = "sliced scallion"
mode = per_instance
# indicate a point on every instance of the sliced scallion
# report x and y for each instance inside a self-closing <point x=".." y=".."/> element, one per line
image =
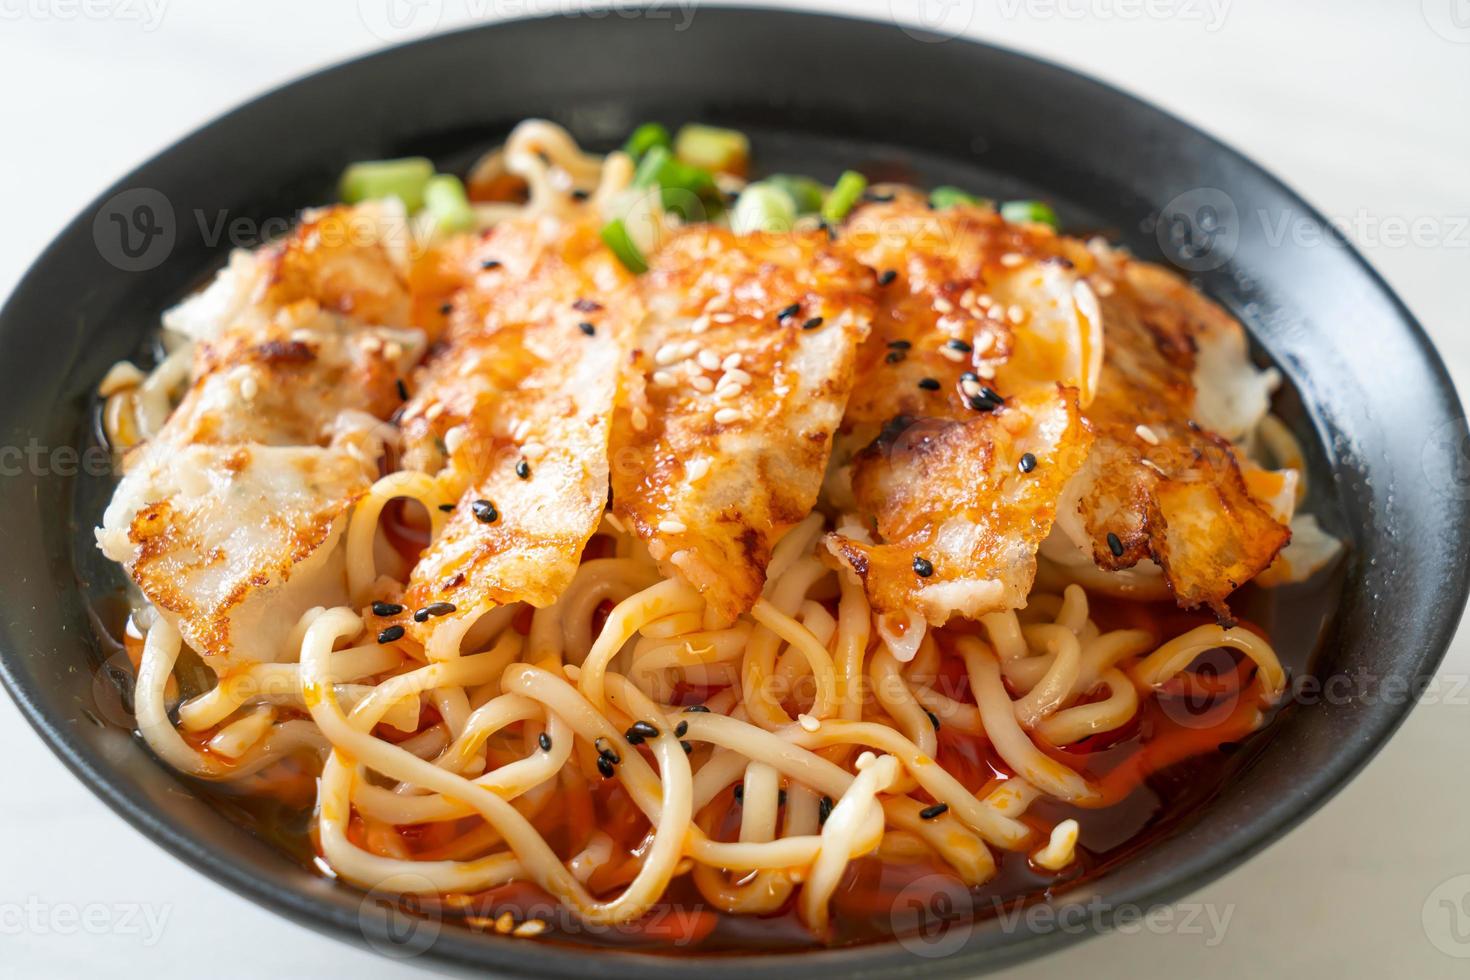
<point x="843" y="196"/>
<point x="763" y="207"/>
<point x="948" y="197"/>
<point x="686" y="190"/>
<point x="721" y="151"/>
<point x="1029" y="212"/>
<point x="615" y="236"/>
<point x="645" y="138"/>
<point x="805" y="193"/>
<point x="445" y="199"/>
<point x="371" y="180"/>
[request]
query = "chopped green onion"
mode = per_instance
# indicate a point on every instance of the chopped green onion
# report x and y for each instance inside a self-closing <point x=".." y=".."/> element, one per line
<point x="445" y="199"/>
<point x="844" y="196"/>
<point x="948" y="197"/>
<point x="373" y="179"/>
<point x="763" y="207"/>
<point x="686" y="190"/>
<point x="1029" y="212"/>
<point x="645" y="138"/>
<point x="615" y="236"/>
<point x="721" y="151"/>
<point x="805" y="193"/>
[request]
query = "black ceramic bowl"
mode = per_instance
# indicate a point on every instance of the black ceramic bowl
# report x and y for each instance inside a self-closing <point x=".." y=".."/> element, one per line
<point x="818" y="93"/>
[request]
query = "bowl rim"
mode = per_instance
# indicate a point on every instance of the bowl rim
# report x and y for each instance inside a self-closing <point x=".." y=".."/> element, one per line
<point x="543" y="959"/>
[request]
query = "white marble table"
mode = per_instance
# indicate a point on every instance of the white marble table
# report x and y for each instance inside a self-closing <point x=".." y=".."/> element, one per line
<point x="1362" y="105"/>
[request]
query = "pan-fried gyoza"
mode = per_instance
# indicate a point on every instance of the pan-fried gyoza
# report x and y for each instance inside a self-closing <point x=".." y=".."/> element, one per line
<point x="616" y="534"/>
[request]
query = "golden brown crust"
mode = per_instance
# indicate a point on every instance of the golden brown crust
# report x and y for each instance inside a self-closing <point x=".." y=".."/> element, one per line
<point x="1165" y="487"/>
<point x="519" y="379"/>
<point x="954" y="498"/>
<point x="343" y="259"/>
<point x="721" y="441"/>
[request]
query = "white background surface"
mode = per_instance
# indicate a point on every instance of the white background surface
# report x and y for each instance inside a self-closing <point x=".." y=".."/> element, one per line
<point x="1362" y="106"/>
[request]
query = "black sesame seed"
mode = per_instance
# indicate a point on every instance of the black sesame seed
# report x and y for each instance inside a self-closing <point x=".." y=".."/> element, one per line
<point x="587" y="306"/>
<point x="544" y="740"/>
<point x="446" y="308"/>
<point x="402" y="389"/>
<point x="739" y="792"/>
<point x="386" y="609"/>
<point x="633" y="739"/>
<point x="523" y="470"/>
<point x="887" y="277"/>
<point x="894" y="356"/>
<point x="642" y="729"/>
<point x="580" y="195"/>
<point x="789" y="312"/>
<point x="959" y="345"/>
<point x="447" y="508"/>
<point x="930" y="812"/>
<point x="1028" y="462"/>
<point x="681" y="729"/>
<point x="433" y="609"/>
<point x="899" y="344"/>
<point x="490" y="264"/>
<point x="923" y="567"/>
<point x="781" y="797"/>
<point x="604" y="767"/>
<point x="929" y="384"/>
<point x="687" y="747"/>
<point x="933" y="719"/>
<point x="1115" y="545"/>
<point x="606" y="751"/>
<point x="813" y="323"/>
<point x="699" y="708"/>
<point x="589" y="329"/>
<point x="392" y="633"/>
<point x="824" y="809"/>
<point x="485" y="512"/>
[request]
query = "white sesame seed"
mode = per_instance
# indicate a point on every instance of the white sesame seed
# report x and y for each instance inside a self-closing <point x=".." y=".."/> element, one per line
<point x="954" y="355"/>
<point x="1016" y="314"/>
<point x="969" y="387"/>
<point x="726" y="415"/>
<point x="454" y="438"/>
<point x="732" y="362"/>
<point x="983" y="342"/>
<point x="808" y="723"/>
<point x="688" y="349"/>
<point x="1146" y="434"/>
<point x="666" y="355"/>
<point x="520" y="430"/>
<point x="639" y="419"/>
<point x="249" y="388"/>
<point x="1155" y="467"/>
<point x="723" y="317"/>
<point x="943" y="305"/>
<point x="671" y="527"/>
<point x="986" y="371"/>
<point x="985" y="300"/>
<point x="435" y="410"/>
<point x="700" y="325"/>
<point x="697" y="470"/>
<point x="533" y="450"/>
<point x="1103" y="287"/>
<point x="531" y="927"/>
<point x="736" y="376"/>
<point x="1010" y="260"/>
<point x="663" y="379"/>
<point x="702" y="383"/>
<point x="727" y="391"/>
<point x="709" y="360"/>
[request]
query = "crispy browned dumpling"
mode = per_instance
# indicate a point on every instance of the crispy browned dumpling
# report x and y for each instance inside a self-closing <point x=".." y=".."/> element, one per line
<point x="741" y="374"/>
<point x="960" y="506"/>
<point x="517" y="405"/>
<point x="346" y="260"/>
<point x="228" y="518"/>
<point x="1163" y="485"/>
